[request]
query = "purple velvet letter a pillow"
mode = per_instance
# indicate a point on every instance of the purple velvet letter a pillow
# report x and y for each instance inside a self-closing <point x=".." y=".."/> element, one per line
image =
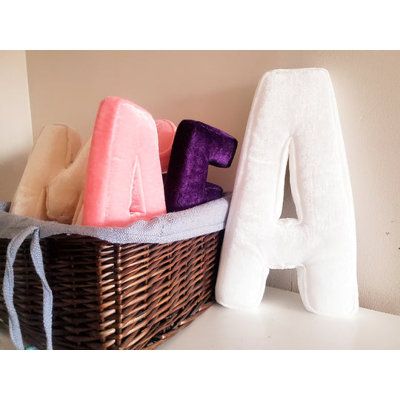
<point x="195" y="146"/>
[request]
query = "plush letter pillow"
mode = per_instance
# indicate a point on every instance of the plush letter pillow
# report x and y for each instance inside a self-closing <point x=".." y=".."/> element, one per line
<point x="196" y="145"/>
<point x="54" y="150"/>
<point x="293" y="116"/>
<point x="65" y="192"/>
<point x="123" y="182"/>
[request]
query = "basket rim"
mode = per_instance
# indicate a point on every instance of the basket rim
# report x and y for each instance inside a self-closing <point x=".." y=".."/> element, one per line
<point x="171" y="227"/>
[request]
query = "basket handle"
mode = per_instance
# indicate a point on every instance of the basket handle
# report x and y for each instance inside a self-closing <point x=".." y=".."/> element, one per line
<point x="8" y="286"/>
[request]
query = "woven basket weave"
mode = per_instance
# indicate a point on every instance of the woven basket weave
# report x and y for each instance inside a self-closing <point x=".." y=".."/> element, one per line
<point x="113" y="296"/>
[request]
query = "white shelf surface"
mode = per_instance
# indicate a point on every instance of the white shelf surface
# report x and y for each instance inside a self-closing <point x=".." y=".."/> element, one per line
<point x="281" y="322"/>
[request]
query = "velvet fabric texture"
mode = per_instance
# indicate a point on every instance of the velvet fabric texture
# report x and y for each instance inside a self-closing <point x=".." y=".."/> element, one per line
<point x="123" y="178"/>
<point x="196" y="145"/>
<point x="294" y="117"/>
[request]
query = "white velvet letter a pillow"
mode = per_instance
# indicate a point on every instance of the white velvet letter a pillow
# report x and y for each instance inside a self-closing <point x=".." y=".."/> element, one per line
<point x="293" y="116"/>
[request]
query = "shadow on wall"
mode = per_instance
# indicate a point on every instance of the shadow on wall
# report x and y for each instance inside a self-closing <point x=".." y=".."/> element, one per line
<point x="11" y="170"/>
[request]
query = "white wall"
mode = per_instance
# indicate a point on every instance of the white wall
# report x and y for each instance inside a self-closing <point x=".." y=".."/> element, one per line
<point x="217" y="87"/>
<point x="15" y="120"/>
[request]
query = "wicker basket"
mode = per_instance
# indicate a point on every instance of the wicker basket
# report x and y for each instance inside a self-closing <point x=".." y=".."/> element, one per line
<point x="113" y="296"/>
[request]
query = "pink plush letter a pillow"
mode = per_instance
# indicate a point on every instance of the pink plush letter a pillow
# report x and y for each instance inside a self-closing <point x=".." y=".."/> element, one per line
<point x="294" y="115"/>
<point x="65" y="192"/>
<point x="124" y="180"/>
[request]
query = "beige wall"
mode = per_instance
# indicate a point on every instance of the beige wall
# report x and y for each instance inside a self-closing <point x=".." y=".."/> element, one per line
<point x="15" y="120"/>
<point x="217" y="88"/>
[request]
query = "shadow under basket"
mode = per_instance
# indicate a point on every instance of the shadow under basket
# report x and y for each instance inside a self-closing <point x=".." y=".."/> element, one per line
<point x="113" y="296"/>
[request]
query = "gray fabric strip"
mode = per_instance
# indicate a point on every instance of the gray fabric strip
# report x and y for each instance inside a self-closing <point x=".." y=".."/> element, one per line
<point x="8" y="286"/>
<point x="37" y="259"/>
